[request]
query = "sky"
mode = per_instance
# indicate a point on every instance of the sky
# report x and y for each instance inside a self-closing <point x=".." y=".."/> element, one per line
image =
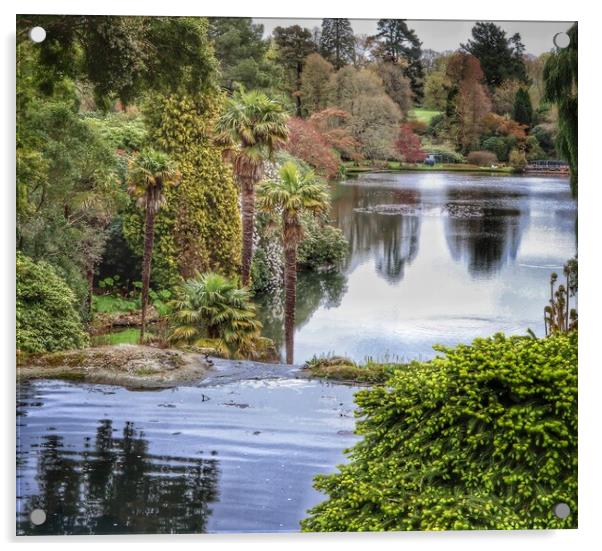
<point x="447" y="35"/>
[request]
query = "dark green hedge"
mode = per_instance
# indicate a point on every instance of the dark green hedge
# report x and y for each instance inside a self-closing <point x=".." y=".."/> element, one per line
<point x="482" y="437"/>
<point x="47" y="319"/>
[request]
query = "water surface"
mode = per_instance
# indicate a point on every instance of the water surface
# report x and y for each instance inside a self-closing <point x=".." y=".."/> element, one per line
<point x="237" y="456"/>
<point x="434" y="258"/>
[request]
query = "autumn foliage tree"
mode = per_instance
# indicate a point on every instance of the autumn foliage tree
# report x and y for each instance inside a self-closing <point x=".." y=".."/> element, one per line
<point x="468" y="98"/>
<point x="408" y="145"/>
<point x="322" y="140"/>
<point x="308" y="144"/>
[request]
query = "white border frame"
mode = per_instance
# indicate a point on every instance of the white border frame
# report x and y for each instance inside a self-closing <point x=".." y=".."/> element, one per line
<point x="590" y="231"/>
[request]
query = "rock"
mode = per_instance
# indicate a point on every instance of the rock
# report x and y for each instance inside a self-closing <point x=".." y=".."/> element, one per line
<point x="128" y="365"/>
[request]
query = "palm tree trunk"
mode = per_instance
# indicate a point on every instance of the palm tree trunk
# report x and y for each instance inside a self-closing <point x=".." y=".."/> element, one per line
<point x="290" y="298"/>
<point x="248" y="226"/>
<point x="149" y="237"/>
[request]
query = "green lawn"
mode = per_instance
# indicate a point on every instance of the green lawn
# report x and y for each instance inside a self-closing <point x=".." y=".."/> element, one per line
<point x="423" y="115"/>
<point x="126" y="336"/>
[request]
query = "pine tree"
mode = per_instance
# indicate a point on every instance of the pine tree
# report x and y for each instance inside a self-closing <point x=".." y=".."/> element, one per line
<point x="501" y="58"/>
<point x="523" y="110"/>
<point x="397" y="43"/>
<point x="337" y="43"/>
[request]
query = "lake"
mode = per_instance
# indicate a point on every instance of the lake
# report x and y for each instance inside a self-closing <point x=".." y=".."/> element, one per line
<point x="434" y="258"/>
<point x="232" y="455"/>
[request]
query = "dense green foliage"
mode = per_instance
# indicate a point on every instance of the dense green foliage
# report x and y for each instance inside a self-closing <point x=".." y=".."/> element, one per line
<point x="243" y="53"/>
<point x="501" y="58"/>
<point x="482" y="437"/>
<point x="198" y="228"/>
<point x="47" y="317"/>
<point x="211" y="311"/>
<point x="323" y="246"/>
<point x="122" y="57"/>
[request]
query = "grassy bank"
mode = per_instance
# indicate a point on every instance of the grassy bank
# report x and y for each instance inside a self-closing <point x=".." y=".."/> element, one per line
<point x="396" y="166"/>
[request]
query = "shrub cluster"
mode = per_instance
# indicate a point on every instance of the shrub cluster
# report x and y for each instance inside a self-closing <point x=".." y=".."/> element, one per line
<point x="47" y="318"/>
<point x="484" y="436"/>
<point x="482" y="158"/>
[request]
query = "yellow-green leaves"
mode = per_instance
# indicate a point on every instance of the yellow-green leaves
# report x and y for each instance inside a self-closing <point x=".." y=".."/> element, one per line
<point x="482" y="437"/>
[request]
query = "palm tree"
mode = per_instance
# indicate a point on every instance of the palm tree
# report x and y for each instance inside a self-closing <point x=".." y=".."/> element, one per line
<point x="150" y="172"/>
<point x="252" y="127"/>
<point x="292" y="194"/>
<point x="212" y="312"/>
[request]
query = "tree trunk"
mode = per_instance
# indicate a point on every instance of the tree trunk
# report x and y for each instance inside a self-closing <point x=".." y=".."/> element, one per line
<point x="149" y="237"/>
<point x="90" y="278"/>
<point x="248" y="223"/>
<point x="298" y="111"/>
<point x="290" y="298"/>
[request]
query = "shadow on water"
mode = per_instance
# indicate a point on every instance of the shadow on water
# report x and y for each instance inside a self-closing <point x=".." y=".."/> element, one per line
<point x="389" y="238"/>
<point x="314" y="290"/>
<point x="114" y="486"/>
<point x="484" y="229"/>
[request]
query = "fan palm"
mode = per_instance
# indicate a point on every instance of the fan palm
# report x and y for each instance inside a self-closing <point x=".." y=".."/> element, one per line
<point x="252" y="127"/>
<point x="291" y="195"/>
<point x="150" y="172"/>
<point x="212" y="311"/>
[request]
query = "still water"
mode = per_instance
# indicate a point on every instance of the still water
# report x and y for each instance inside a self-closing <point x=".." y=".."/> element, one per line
<point x="434" y="258"/>
<point x="238" y="456"/>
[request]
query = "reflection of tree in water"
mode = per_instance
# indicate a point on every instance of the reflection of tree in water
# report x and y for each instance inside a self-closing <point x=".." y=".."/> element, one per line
<point x="391" y="239"/>
<point x="116" y="487"/>
<point x="314" y="290"/>
<point x="487" y="235"/>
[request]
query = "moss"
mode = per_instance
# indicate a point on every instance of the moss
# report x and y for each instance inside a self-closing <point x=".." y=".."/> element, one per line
<point x="343" y="369"/>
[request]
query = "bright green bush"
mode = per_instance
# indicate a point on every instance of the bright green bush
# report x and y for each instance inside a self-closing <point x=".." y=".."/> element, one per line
<point x="47" y="318"/>
<point x="482" y="437"/>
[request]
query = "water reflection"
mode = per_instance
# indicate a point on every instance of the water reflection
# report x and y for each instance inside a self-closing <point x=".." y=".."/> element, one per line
<point x="116" y="486"/>
<point x="376" y="230"/>
<point x="438" y="258"/>
<point x="483" y="228"/>
<point x="314" y="291"/>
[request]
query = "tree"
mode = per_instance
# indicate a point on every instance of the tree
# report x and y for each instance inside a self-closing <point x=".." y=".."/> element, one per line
<point x="315" y="83"/>
<point x="409" y="146"/>
<point x="122" y="57"/>
<point x="397" y="86"/>
<point x="305" y="142"/>
<point x="294" y="44"/>
<point x="484" y="436"/>
<point x="150" y="173"/>
<point x="504" y="96"/>
<point x="560" y="88"/>
<point x="211" y="312"/>
<point x="242" y="53"/>
<point x="292" y="194"/>
<point x="501" y="58"/>
<point x="469" y="101"/>
<point x="398" y="44"/>
<point x="435" y="90"/>
<point x="68" y="181"/>
<point x="199" y="227"/>
<point x="373" y="116"/>
<point x="337" y="42"/>
<point x="252" y="127"/>
<point x="523" y="110"/>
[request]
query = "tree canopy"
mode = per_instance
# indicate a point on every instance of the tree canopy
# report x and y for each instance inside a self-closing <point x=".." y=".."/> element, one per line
<point x="501" y="58"/>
